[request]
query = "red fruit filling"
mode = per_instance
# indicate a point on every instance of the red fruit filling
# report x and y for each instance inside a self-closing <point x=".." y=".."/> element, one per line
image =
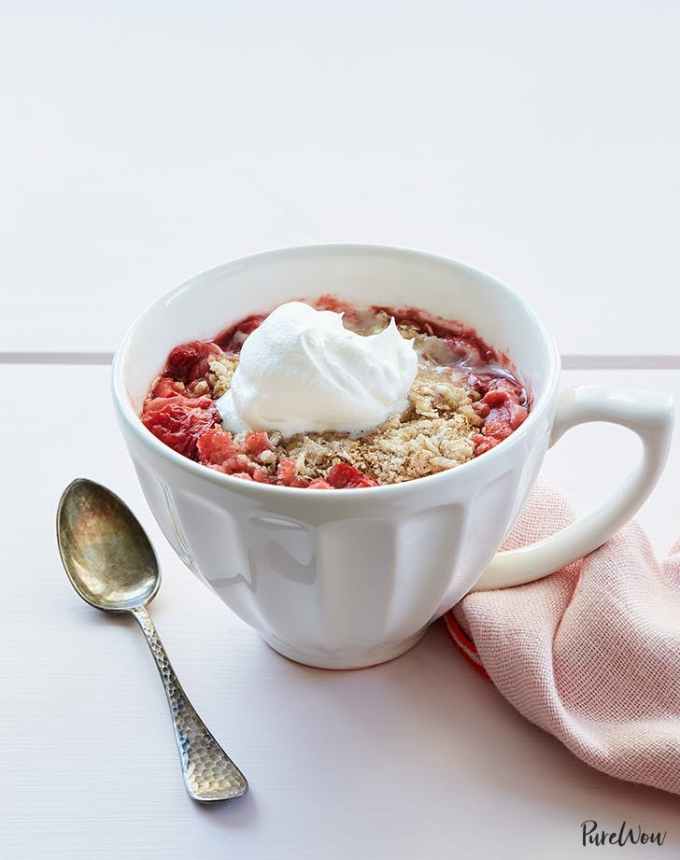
<point x="164" y="386"/>
<point x="256" y="443"/>
<point x="505" y="415"/>
<point x="327" y="302"/>
<point x="286" y="474"/>
<point x="232" y="338"/>
<point x="190" y="361"/>
<point x="179" y="421"/>
<point x="342" y="476"/>
<point x="215" y="446"/>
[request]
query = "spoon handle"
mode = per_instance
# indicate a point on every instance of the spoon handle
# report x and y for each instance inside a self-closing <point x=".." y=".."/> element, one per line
<point x="209" y="773"/>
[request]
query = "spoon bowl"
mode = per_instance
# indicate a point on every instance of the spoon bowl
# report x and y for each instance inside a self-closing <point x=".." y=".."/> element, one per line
<point x="105" y="551"/>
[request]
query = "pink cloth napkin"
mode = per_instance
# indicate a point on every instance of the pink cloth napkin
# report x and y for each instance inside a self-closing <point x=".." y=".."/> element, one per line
<point x="590" y="654"/>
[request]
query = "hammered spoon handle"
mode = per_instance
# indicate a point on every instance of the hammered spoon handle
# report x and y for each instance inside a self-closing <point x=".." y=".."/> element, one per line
<point x="209" y="773"/>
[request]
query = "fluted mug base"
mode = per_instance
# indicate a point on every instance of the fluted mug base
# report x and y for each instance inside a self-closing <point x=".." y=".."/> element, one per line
<point x="346" y="658"/>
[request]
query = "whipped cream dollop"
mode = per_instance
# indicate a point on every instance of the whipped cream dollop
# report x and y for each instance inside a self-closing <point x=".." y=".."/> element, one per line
<point x="301" y="371"/>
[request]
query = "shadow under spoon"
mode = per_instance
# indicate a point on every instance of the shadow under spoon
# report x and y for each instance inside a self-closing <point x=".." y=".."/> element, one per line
<point x="112" y="566"/>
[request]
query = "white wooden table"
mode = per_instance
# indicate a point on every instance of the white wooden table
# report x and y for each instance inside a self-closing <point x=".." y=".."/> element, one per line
<point x="537" y="141"/>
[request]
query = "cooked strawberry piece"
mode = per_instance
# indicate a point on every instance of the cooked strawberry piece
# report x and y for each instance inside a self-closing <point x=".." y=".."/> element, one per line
<point x="256" y="443"/>
<point x="503" y="407"/>
<point x="286" y="473"/>
<point x="320" y="484"/>
<point x="503" y="383"/>
<point x="518" y="415"/>
<point x="328" y="302"/>
<point x="365" y="482"/>
<point x="497" y="426"/>
<point x="262" y="476"/>
<point x="179" y="421"/>
<point x="512" y="387"/>
<point x="252" y="322"/>
<point x="166" y="387"/>
<point x="502" y="420"/>
<point x="482" y="409"/>
<point x="231" y="339"/>
<point x="495" y="398"/>
<point x="190" y="361"/>
<point x="483" y="444"/>
<point x="244" y="476"/>
<point x="342" y="476"/>
<point x="287" y="476"/>
<point x="238" y="463"/>
<point x="215" y="446"/>
<point x="478" y="383"/>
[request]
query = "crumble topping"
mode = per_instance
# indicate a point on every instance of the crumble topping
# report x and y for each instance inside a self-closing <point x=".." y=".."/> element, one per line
<point x="396" y="451"/>
<point x="221" y="371"/>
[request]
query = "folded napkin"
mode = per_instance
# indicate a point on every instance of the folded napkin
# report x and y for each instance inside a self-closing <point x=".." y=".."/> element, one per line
<point x="590" y="654"/>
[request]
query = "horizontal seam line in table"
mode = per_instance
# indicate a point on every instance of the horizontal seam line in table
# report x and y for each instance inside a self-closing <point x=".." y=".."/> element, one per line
<point x="569" y="361"/>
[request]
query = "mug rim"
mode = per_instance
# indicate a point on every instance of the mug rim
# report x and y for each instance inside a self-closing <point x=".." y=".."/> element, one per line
<point x="132" y="420"/>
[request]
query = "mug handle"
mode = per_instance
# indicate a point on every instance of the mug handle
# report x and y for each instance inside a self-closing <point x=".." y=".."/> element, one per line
<point x="649" y="414"/>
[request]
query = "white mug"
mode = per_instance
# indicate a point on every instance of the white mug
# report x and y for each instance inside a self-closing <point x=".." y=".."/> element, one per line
<point x="351" y="578"/>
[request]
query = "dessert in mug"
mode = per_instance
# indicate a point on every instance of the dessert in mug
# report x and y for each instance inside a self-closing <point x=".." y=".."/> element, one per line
<point x="328" y="395"/>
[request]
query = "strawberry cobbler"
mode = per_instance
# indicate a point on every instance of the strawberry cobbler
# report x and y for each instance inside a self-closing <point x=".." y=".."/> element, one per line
<point x="458" y="398"/>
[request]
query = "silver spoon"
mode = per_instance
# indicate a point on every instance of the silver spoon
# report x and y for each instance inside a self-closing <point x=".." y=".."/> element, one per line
<point x="112" y="566"/>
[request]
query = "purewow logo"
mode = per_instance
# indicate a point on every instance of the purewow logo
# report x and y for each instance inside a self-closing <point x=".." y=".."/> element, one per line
<point x="592" y="834"/>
